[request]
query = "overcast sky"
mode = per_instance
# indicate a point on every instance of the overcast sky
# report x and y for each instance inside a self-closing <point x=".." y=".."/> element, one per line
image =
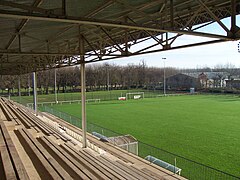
<point x="200" y="56"/>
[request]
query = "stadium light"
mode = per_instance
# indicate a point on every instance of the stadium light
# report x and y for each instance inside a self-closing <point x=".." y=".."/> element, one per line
<point x="164" y="78"/>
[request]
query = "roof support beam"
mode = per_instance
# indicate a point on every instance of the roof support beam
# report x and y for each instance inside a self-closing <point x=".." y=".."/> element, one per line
<point x="133" y="9"/>
<point x="99" y="9"/>
<point x="88" y="21"/>
<point x="164" y="41"/>
<point x="160" y="50"/>
<point x="153" y="37"/>
<point x="52" y="54"/>
<point x="213" y="16"/>
<point x="93" y="49"/>
<point x="88" y="15"/>
<point x="119" y="48"/>
<point x="22" y="6"/>
<point x="21" y="25"/>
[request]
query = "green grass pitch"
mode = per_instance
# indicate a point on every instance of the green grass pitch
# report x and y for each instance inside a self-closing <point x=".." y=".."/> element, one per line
<point x="204" y="128"/>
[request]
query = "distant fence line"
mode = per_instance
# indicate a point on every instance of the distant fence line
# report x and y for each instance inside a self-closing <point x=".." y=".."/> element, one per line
<point x="190" y="169"/>
<point x="104" y="96"/>
<point x="30" y="105"/>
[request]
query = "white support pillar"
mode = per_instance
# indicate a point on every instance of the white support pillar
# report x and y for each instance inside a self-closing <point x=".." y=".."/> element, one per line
<point x="55" y="85"/>
<point x="29" y="85"/>
<point x="83" y="92"/>
<point x="164" y="77"/>
<point x="35" y="93"/>
<point x="19" y="87"/>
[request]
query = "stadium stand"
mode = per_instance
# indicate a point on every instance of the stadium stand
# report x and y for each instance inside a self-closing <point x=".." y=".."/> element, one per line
<point x="46" y="147"/>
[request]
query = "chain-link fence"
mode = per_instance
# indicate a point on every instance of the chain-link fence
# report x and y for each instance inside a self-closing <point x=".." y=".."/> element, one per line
<point x="190" y="169"/>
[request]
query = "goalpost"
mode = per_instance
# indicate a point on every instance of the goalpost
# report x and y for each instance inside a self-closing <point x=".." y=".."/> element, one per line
<point x="135" y="95"/>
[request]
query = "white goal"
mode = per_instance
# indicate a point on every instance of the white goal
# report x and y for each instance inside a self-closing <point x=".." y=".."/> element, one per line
<point x="135" y="95"/>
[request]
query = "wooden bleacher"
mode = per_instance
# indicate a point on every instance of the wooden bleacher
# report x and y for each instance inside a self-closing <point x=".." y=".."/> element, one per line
<point x="34" y="147"/>
<point x="11" y="166"/>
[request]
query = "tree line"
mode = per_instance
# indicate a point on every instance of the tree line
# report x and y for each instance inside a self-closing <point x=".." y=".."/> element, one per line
<point x="100" y="77"/>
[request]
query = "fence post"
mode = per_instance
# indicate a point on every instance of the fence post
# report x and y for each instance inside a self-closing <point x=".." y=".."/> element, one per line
<point x="175" y="164"/>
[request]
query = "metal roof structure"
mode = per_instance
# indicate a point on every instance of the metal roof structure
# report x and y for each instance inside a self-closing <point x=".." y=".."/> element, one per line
<point x="37" y="35"/>
<point x="41" y="34"/>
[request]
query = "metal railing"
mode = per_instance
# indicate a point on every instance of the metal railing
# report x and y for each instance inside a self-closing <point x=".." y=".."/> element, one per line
<point x="190" y="169"/>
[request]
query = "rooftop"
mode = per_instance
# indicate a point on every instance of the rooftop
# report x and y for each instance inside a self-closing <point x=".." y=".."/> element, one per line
<point x="42" y="34"/>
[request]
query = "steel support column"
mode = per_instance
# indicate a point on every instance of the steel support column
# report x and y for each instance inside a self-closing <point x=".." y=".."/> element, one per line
<point x="28" y="84"/>
<point x="19" y="86"/>
<point x="83" y="92"/>
<point x="35" y="93"/>
<point x="55" y="85"/>
<point x="233" y="18"/>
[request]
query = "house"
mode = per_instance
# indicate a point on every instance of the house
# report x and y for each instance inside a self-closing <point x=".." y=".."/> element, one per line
<point x="182" y="81"/>
<point x="211" y="79"/>
<point x="233" y="84"/>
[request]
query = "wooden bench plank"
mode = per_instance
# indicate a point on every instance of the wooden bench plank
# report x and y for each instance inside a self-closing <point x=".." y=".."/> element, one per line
<point x="75" y="167"/>
<point x="37" y="122"/>
<point x="6" y="160"/>
<point x="109" y="165"/>
<point x="17" y="163"/>
<point x="154" y="174"/>
<point x="24" y="121"/>
<point x="8" y="113"/>
<point x="116" y="168"/>
<point x="31" y="120"/>
<point x="25" y="117"/>
<point x="142" y="173"/>
<point x="41" y="164"/>
<point x="112" y="150"/>
<point x="10" y="110"/>
<point x="125" y="168"/>
<point x="97" y="162"/>
<point x="121" y="154"/>
<point x="45" y="128"/>
<point x="91" y="165"/>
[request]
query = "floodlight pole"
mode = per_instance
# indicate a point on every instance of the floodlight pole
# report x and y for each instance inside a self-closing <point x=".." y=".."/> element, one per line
<point x="35" y="93"/>
<point x="107" y="76"/>
<point x="164" y="78"/>
<point x="83" y="92"/>
<point x="55" y="85"/>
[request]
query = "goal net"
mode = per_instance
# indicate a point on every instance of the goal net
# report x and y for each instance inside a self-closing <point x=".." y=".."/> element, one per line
<point x="135" y="95"/>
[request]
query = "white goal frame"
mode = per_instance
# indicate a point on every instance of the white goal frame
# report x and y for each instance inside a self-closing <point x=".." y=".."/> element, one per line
<point x="134" y="93"/>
